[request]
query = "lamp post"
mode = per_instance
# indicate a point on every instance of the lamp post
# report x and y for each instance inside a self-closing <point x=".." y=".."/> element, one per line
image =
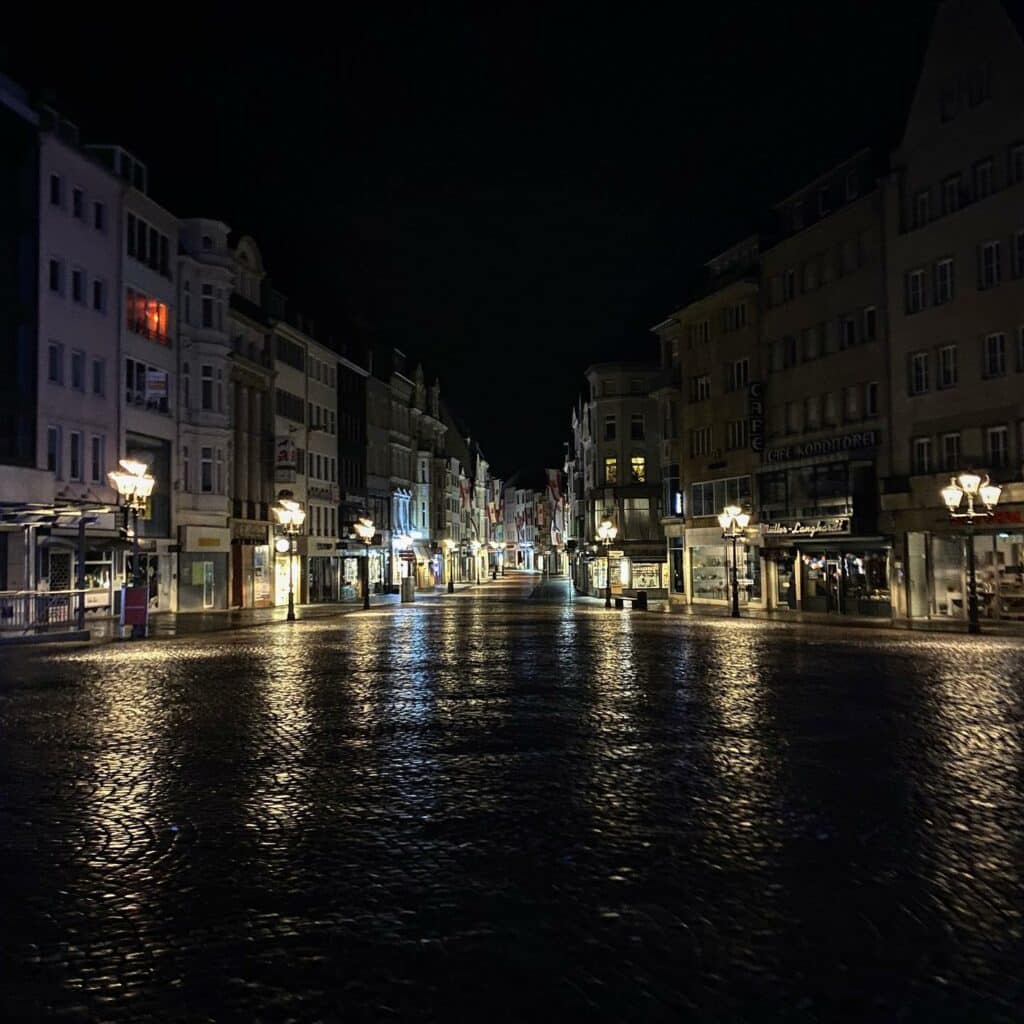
<point x="475" y="548"/>
<point x="290" y="516"/>
<point x="449" y="549"/>
<point x="606" y="533"/>
<point x="134" y="484"/>
<point x="973" y="487"/>
<point x="494" y="546"/>
<point x="734" y="522"/>
<point x="364" y="531"/>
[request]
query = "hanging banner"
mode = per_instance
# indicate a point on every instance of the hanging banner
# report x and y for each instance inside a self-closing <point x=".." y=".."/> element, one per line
<point x="285" y="460"/>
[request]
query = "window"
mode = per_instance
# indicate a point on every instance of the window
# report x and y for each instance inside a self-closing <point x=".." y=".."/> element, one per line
<point x="983" y="179"/>
<point x="921" y="455"/>
<point x="77" y="204"/>
<point x="207" y="306"/>
<point x="99" y="216"/>
<point x="739" y="374"/>
<point x="951" y="194"/>
<point x="871" y="398"/>
<point x="186" y="475"/>
<point x="870" y="323"/>
<point x="146" y="385"/>
<point x="943" y="281"/>
<point x="56" y="190"/>
<point x="947" y="372"/>
<point x="735" y="316"/>
<point x="700" y="441"/>
<point x="919" y="373"/>
<point x="638" y="469"/>
<point x="219" y="468"/>
<point x="608" y="388"/>
<point x="1020" y="349"/>
<point x="789" y="352"/>
<point x="206" y="470"/>
<point x="788" y="284"/>
<point x="99" y="377"/>
<point x="852" y="185"/>
<point x="148" y="245"/>
<point x="53" y="452"/>
<point x="96" y="460"/>
<point x="812" y="412"/>
<point x="146" y="316"/>
<point x="809" y="344"/>
<point x="609" y="428"/>
<point x="979" y="86"/>
<point x="851" y="402"/>
<point x="55" y="363"/>
<point x="989" y="265"/>
<point x="995" y="355"/>
<point x="996" y="447"/>
<point x="1018" y="254"/>
<point x="951" y="451"/>
<point x="828" y="413"/>
<point x="206" y="387"/>
<point x="915" y="291"/>
<point x="736" y="434"/>
<point x="57" y="276"/>
<point x="922" y="208"/>
<point x="700" y="388"/>
<point x="792" y="417"/>
<point x="75" y="462"/>
<point x="99" y="296"/>
<point x="611" y="470"/>
<point x="798" y="215"/>
<point x="636" y="427"/>
<point x="77" y="285"/>
<point x="1016" y="167"/>
<point x="848" y="338"/>
<point x="708" y="498"/>
<point x="77" y="370"/>
<point x="822" y="201"/>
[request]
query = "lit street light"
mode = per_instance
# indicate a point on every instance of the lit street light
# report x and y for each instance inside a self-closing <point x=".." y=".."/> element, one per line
<point x="290" y="516"/>
<point x="364" y="531"/>
<point x="134" y="484"/>
<point x="449" y="547"/>
<point x="734" y="522"/>
<point x="606" y="533"/>
<point x="971" y="486"/>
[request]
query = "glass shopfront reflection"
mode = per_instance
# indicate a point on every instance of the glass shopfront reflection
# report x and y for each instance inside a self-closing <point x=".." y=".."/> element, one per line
<point x="846" y="582"/>
<point x="710" y="567"/>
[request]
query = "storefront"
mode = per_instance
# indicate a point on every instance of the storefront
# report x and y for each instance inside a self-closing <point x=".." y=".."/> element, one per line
<point x="203" y="568"/>
<point x="323" y="568"/>
<point x="709" y="562"/>
<point x="252" y="568"/>
<point x="937" y="571"/>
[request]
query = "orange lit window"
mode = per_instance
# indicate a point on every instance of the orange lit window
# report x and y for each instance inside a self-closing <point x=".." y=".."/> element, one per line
<point x="146" y="316"/>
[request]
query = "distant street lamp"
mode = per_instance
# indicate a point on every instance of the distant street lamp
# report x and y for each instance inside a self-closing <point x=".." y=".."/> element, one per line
<point x="449" y="548"/>
<point x="971" y="486"/>
<point x="290" y="516"/>
<point x="364" y="531"/>
<point x="734" y="522"/>
<point x="475" y="548"/>
<point x="134" y="484"/>
<point x="606" y="533"/>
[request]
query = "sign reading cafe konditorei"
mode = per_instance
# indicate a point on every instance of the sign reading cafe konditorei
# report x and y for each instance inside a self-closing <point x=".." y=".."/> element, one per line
<point x="828" y="527"/>
<point x="755" y="410"/>
<point x="826" y="446"/>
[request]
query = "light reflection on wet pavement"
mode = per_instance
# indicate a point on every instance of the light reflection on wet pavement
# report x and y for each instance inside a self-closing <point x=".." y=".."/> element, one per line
<point x="515" y="809"/>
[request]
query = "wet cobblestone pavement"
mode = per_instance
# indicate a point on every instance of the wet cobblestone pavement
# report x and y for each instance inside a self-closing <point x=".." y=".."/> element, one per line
<point x="504" y="808"/>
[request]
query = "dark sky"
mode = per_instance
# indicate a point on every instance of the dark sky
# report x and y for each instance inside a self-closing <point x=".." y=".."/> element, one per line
<point x="509" y="194"/>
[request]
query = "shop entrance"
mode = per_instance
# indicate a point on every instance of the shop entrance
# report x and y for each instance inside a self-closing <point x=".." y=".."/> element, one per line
<point x="854" y="583"/>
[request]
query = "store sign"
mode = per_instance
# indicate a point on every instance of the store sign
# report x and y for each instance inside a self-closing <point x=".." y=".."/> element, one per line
<point x="755" y="412"/>
<point x="826" y="446"/>
<point x="205" y="538"/>
<point x="834" y="525"/>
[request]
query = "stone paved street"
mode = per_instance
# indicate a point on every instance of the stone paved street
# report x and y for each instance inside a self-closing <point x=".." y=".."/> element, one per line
<point x="500" y="806"/>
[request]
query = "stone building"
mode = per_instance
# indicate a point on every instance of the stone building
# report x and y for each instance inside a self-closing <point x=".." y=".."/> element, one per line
<point x="955" y="219"/>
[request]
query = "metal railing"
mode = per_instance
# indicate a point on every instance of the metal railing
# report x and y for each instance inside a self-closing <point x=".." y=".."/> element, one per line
<point x="35" y="611"/>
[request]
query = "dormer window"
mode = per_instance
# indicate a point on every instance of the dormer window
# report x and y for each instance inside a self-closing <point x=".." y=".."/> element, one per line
<point x="207" y="242"/>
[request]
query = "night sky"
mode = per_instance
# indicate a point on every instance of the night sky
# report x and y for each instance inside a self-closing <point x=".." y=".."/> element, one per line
<point x="507" y="194"/>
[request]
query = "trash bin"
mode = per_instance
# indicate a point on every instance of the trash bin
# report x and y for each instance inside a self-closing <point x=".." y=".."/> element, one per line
<point x="640" y="601"/>
<point x="408" y="589"/>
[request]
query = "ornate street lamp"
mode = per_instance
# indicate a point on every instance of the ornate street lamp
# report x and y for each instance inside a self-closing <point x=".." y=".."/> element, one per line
<point x="475" y="548"/>
<point x="973" y="487"/>
<point x="449" y="548"/>
<point x="734" y="522"/>
<point x="290" y="516"/>
<point x="606" y="533"/>
<point x="134" y="484"/>
<point x="364" y="531"/>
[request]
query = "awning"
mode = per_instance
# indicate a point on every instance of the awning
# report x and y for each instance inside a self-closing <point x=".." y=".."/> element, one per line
<point x="843" y="543"/>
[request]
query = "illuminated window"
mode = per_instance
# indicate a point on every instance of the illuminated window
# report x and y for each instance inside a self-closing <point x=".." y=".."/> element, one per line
<point x="146" y="316"/>
<point x="638" y="469"/>
<point x="611" y="470"/>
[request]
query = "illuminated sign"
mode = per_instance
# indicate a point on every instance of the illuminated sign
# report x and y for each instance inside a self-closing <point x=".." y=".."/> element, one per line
<point x="812" y="528"/>
<point x="755" y="411"/>
<point x="826" y="446"/>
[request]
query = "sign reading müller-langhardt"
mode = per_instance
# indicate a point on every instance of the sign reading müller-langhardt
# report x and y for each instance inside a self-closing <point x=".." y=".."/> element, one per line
<point x="830" y="526"/>
<point x="826" y="446"/>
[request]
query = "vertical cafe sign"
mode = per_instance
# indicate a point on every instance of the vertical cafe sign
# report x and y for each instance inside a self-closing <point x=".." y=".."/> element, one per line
<point x="755" y="413"/>
<point x="285" y="459"/>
